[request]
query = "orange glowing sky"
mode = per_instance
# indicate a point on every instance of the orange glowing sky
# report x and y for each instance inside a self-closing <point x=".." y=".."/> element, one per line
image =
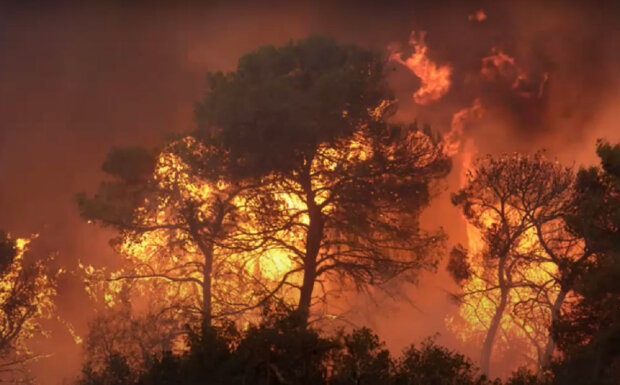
<point x="78" y="78"/>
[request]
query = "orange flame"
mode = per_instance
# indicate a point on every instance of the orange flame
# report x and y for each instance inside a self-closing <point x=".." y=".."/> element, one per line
<point x="175" y="254"/>
<point x="501" y="66"/>
<point x="435" y="79"/>
<point x="525" y="327"/>
<point x="528" y="331"/>
<point x="460" y="120"/>
<point x="478" y="16"/>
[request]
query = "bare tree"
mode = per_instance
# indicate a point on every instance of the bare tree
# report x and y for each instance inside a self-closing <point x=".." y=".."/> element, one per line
<point x="518" y="204"/>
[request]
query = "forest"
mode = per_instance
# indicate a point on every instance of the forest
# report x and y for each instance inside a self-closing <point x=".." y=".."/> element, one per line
<point x="309" y="186"/>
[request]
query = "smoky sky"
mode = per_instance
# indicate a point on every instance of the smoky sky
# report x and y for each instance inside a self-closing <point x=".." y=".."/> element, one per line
<point x="78" y="78"/>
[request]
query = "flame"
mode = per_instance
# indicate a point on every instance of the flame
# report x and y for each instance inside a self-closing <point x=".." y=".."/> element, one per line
<point x="499" y="66"/>
<point x="235" y="273"/>
<point x="453" y="139"/>
<point x="29" y="288"/>
<point x="173" y="253"/>
<point x="525" y="328"/>
<point x="435" y="79"/>
<point x="520" y="325"/>
<point x="517" y="328"/>
<point x="478" y="16"/>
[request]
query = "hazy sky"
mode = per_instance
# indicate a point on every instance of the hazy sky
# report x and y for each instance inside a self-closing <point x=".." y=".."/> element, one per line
<point x="76" y="79"/>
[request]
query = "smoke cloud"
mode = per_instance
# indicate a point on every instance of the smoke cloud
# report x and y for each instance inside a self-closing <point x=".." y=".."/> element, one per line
<point x="76" y="79"/>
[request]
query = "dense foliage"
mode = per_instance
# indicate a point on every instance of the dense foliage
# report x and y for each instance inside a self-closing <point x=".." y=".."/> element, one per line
<point x="297" y="184"/>
<point x="589" y="332"/>
<point x="312" y="117"/>
<point x="278" y="351"/>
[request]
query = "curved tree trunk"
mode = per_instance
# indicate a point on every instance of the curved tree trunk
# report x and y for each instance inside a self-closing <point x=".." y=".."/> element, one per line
<point x="555" y="315"/>
<point x="489" y="340"/>
<point x="503" y="281"/>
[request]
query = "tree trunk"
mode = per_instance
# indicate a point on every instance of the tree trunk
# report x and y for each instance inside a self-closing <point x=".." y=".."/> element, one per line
<point x="206" y="289"/>
<point x="314" y="237"/>
<point x="206" y="247"/>
<point x="313" y="244"/>
<point x="489" y="340"/>
<point x="555" y="315"/>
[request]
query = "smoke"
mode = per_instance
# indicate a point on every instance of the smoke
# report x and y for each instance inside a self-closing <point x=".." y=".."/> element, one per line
<point x="76" y="79"/>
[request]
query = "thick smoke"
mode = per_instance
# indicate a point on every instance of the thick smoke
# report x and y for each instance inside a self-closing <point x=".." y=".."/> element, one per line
<point x="78" y="78"/>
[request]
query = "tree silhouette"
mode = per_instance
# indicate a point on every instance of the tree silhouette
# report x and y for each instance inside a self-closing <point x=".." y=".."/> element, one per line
<point x="27" y="292"/>
<point x="186" y="232"/>
<point x="365" y="360"/>
<point x="120" y="345"/>
<point x="311" y="118"/>
<point x="589" y="330"/>
<point x="433" y="364"/>
<point x="518" y="204"/>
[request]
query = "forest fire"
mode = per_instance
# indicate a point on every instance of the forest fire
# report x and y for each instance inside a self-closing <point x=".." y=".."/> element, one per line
<point x="435" y="80"/>
<point x="332" y="185"/>
<point x="453" y="139"/>
<point x="481" y="296"/>
<point x="500" y="66"/>
<point x="164" y="262"/>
